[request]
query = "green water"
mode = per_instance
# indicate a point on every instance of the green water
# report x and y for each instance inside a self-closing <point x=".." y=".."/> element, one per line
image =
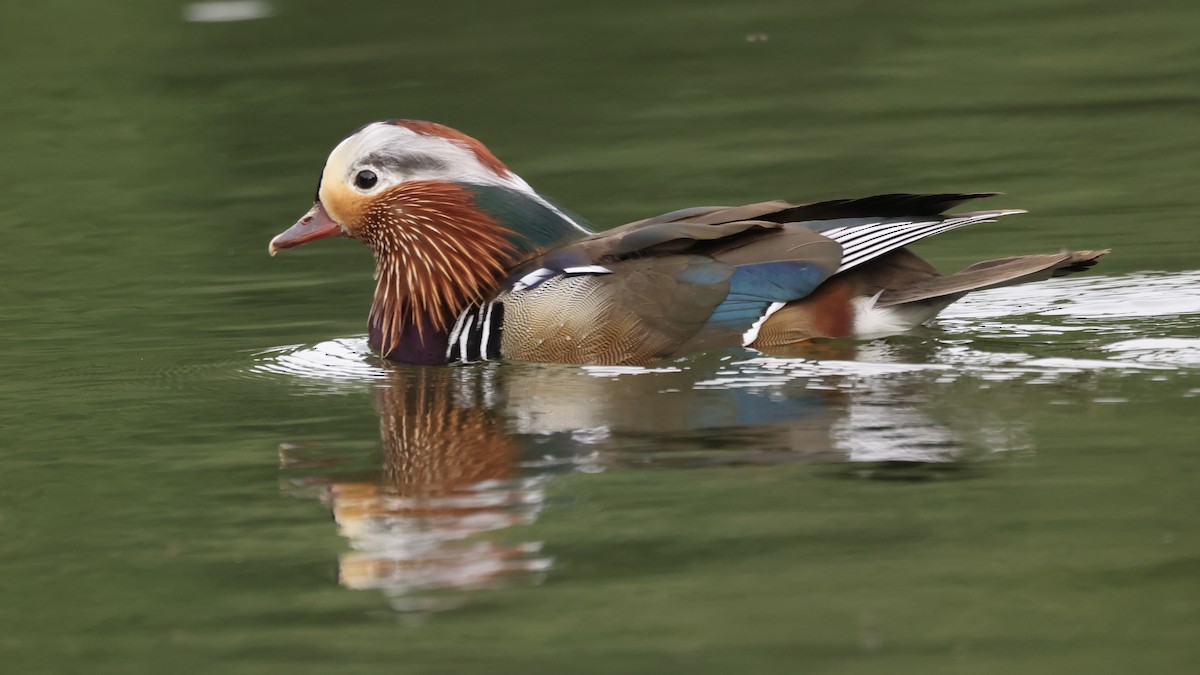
<point x="1011" y="490"/>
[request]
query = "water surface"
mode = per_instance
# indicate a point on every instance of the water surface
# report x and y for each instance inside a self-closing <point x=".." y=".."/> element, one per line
<point x="205" y="469"/>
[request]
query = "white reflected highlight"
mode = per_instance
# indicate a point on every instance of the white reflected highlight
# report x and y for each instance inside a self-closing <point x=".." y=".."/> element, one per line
<point x="416" y="548"/>
<point x="220" y="12"/>
<point x="336" y="366"/>
<point x="1141" y="295"/>
<point x="1169" y="352"/>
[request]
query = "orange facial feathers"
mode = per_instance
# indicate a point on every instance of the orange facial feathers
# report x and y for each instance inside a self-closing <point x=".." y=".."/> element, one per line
<point x="435" y="254"/>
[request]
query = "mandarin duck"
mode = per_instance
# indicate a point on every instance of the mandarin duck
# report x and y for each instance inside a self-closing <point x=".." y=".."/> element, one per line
<point x="473" y="264"/>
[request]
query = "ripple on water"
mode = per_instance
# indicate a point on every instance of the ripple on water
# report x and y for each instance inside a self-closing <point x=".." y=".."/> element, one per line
<point x="1169" y="352"/>
<point x="333" y="366"/>
<point x="1134" y="323"/>
<point x="909" y="404"/>
<point x="1139" y="295"/>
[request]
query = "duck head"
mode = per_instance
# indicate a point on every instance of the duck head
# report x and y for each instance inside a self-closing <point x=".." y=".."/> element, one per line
<point x="444" y="218"/>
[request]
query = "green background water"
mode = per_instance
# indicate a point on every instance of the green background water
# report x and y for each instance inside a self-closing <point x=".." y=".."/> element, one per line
<point x="150" y="375"/>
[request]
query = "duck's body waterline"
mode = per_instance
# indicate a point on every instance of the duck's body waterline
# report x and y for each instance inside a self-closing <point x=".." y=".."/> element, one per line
<point x="473" y="264"/>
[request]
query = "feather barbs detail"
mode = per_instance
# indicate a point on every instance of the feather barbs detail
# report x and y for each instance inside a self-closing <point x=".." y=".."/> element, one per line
<point x="435" y="253"/>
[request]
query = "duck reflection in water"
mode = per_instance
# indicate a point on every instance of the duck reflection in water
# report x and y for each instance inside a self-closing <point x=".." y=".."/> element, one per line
<point x="466" y="452"/>
<point x="421" y="528"/>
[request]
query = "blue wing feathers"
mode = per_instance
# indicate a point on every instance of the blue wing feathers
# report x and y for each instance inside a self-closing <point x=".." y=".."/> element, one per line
<point x="753" y="288"/>
<point x="776" y="281"/>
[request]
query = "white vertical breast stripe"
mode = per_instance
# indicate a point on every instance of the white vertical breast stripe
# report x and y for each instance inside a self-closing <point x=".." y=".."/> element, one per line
<point x="464" y="338"/>
<point x="454" y="333"/>
<point x="487" y="331"/>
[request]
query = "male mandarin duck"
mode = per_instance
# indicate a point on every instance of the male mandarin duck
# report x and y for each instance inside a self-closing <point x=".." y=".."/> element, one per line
<point x="473" y="264"/>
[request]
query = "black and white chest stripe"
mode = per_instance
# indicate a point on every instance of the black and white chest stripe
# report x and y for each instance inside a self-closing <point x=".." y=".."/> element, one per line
<point x="476" y="334"/>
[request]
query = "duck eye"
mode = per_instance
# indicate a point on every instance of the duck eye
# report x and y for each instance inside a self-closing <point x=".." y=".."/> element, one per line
<point x="365" y="179"/>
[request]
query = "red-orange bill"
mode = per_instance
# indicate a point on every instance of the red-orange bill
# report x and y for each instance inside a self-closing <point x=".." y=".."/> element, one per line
<point x="316" y="224"/>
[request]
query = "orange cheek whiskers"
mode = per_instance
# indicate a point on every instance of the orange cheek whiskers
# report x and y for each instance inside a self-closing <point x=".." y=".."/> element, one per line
<point x="436" y="253"/>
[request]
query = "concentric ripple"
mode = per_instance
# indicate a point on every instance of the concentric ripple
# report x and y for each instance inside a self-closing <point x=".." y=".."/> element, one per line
<point x="334" y="365"/>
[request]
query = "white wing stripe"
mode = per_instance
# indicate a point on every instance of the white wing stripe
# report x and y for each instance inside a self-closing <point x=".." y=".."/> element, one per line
<point x="849" y="246"/>
<point x="861" y="243"/>
<point x="870" y="254"/>
<point x="533" y="279"/>
<point x="865" y="235"/>
<point x="867" y="250"/>
<point x="587" y="269"/>
<point x="846" y="235"/>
